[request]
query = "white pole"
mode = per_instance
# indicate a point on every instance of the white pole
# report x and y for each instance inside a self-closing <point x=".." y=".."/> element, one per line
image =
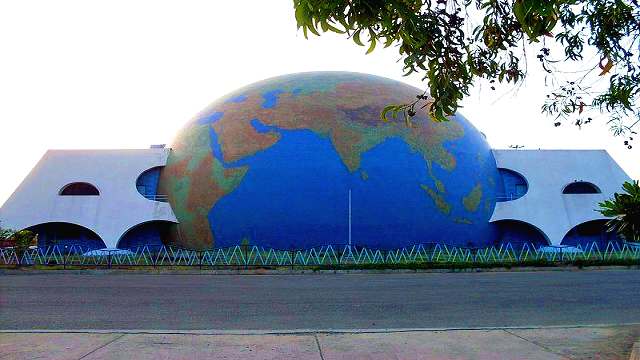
<point x="349" y="218"/>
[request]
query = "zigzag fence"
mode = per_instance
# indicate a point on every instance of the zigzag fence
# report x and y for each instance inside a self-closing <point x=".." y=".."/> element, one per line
<point x="330" y="255"/>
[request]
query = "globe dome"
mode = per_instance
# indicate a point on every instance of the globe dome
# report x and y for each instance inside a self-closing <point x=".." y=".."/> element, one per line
<point x="273" y="164"/>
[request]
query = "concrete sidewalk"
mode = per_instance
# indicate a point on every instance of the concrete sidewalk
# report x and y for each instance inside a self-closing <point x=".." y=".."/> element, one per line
<point x="540" y="343"/>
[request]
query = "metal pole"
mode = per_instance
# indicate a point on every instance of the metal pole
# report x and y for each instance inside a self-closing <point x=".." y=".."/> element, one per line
<point x="349" y="219"/>
<point x="292" y="255"/>
<point x="245" y="250"/>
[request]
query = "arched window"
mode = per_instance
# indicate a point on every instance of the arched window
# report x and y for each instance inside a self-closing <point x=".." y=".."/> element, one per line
<point x="147" y="184"/>
<point x="581" y="187"/>
<point x="517" y="233"/>
<point x="511" y="185"/>
<point x="79" y="189"/>
<point x="590" y="232"/>
<point x="66" y="235"/>
<point x="153" y="235"/>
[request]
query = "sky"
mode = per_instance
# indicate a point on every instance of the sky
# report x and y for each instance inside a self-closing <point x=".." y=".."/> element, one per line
<point x="128" y="74"/>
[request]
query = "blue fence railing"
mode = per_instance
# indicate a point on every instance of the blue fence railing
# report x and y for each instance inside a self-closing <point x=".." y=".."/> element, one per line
<point x="324" y="255"/>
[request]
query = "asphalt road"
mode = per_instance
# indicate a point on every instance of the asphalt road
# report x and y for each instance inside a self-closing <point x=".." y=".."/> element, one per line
<point x="342" y="301"/>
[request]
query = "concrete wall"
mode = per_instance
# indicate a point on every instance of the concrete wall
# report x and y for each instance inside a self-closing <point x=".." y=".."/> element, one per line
<point x="118" y="208"/>
<point x="547" y="173"/>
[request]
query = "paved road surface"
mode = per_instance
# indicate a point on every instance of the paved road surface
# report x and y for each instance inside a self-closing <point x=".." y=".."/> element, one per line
<point x="343" y="301"/>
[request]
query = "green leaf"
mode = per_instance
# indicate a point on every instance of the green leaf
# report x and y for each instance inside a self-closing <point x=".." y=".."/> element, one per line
<point x="312" y="28"/>
<point x="387" y="109"/>
<point x="301" y="16"/>
<point x="372" y="46"/>
<point x="344" y="23"/>
<point x="388" y="42"/>
<point x="334" y="29"/>
<point x="356" y="38"/>
<point x="518" y="11"/>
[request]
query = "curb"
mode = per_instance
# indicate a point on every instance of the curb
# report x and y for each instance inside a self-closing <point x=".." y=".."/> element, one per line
<point x="169" y="271"/>
<point x="215" y="332"/>
<point x="635" y="351"/>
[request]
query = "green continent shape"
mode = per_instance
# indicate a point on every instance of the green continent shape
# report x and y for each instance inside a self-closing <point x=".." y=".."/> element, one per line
<point x="198" y="180"/>
<point x="438" y="200"/>
<point x="472" y="200"/>
<point x="460" y="220"/>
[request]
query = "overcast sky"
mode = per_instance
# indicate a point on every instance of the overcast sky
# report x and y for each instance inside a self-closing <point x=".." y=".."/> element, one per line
<point x="127" y="74"/>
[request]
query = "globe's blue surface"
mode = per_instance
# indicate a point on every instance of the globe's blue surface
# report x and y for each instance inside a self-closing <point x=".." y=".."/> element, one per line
<point x="273" y="163"/>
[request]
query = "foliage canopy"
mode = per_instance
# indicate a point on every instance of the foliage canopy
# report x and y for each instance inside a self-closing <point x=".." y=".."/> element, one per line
<point x="5" y="234"/>
<point x="624" y="211"/>
<point x="456" y="42"/>
<point x="21" y="240"/>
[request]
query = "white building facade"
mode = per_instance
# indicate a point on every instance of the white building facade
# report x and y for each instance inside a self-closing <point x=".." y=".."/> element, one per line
<point x="114" y="208"/>
<point x="107" y="198"/>
<point x="561" y="192"/>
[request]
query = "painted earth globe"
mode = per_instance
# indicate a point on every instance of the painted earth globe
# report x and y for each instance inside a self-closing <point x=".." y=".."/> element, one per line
<point x="304" y="160"/>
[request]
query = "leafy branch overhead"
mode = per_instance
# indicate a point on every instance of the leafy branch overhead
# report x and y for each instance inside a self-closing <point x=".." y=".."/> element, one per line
<point x="454" y="43"/>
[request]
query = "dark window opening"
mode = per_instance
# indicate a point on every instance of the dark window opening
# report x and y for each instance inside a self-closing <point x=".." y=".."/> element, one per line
<point x="66" y="235"/>
<point x="586" y="234"/>
<point x="518" y="233"/>
<point x="511" y="185"/>
<point x="79" y="189"/>
<point x="152" y="234"/>
<point x="147" y="185"/>
<point x="581" y="187"/>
